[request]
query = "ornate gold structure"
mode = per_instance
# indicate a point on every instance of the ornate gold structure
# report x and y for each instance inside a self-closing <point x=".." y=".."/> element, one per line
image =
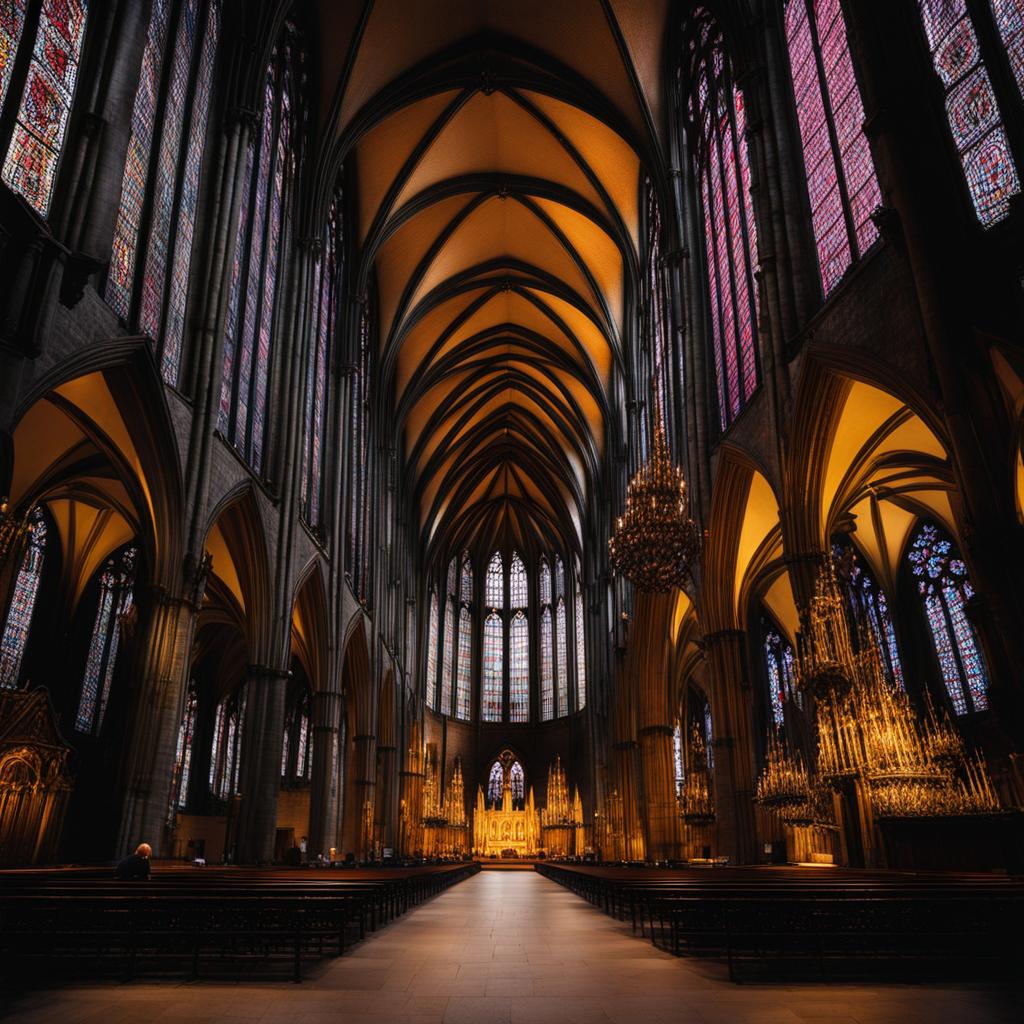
<point x="445" y="829"/>
<point x="561" y="818"/>
<point x="504" y="830"/>
<point x="14" y="531"/>
<point x="34" y="781"/>
<point x="696" y="796"/>
<point x="655" y="542"/>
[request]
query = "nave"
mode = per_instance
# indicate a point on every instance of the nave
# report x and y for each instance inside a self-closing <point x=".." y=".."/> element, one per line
<point x="512" y="947"/>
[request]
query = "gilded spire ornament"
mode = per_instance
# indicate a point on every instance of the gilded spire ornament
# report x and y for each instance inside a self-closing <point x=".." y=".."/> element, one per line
<point x="655" y="542"/>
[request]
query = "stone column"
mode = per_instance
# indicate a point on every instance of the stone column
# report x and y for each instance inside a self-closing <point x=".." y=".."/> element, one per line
<point x="362" y="790"/>
<point x="148" y="764"/>
<point x="262" y="739"/>
<point x="734" y="774"/>
<point x="323" y="792"/>
<point x="660" y="812"/>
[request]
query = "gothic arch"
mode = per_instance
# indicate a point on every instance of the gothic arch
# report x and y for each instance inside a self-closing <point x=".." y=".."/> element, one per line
<point x="310" y="627"/>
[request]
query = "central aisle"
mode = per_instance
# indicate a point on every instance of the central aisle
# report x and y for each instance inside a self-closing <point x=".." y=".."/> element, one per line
<point x="511" y="947"/>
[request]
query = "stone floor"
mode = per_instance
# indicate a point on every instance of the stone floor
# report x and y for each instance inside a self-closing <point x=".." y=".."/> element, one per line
<point x="514" y="948"/>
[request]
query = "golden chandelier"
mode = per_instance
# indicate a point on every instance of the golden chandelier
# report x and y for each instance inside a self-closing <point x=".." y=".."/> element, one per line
<point x="655" y="542"/>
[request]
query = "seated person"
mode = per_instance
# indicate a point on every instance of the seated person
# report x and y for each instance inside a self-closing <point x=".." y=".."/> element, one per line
<point x="136" y="867"/>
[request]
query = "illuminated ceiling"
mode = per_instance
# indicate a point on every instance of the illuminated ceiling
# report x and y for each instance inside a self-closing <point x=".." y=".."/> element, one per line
<point x="496" y="151"/>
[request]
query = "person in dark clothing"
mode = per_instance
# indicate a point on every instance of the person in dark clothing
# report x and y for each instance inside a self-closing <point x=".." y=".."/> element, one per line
<point x="136" y="867"/>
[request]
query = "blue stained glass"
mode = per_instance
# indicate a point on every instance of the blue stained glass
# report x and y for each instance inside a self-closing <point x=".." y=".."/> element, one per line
<point x="518" y="782"/>
<point x="495" y="783"/>
<point x="709" y="737"/>
<point x="23" y="603"/>
<point x="121" y="274"/>
<point x="174" y="326"/>
<point x="519" y="668"/>
<point x="942" y="582"/>
<point x="1009" y="15"/>
<point x="678" y="769"/>
<point x="493" y="669"/>
<point x="115" y="599"/>
<point x="30" y="167"/>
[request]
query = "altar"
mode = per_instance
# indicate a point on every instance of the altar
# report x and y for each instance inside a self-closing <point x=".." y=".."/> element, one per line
<point x="503" y="829"/>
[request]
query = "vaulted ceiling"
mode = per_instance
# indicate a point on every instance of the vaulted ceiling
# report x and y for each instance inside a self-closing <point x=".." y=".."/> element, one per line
<point x="497" y="151"/>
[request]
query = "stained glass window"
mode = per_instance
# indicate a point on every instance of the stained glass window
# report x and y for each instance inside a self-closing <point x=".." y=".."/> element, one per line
<point x="493" y="669"/>
<point x="448" y="657"/>
<point x="464" y="680"/>
<point x="518" y="782"/>
<point x="780" y="666"/>
<point x="325" y="303"/>
<point x="160" y="235"/>
<point x="945" y="589"/>
<point x="581" y="655"/>
<point x="656" y="308"/>
<point x="12" y="22"/>
<point x="30" y="167"/>
<point x="709" y="736"/>
<point x="23" y="602"/>
<point x="495" y="783"/>
<point x="183" y="750"/>
<point x="116" y="583"/>
<point x="869" y="606"/>
<point x="518" y="584"/>
<point x="357" y="528"/>
<point x="303" y="747"/>
<point x="296" y="749"/>
<point x="718" y="122"/>
<point x="971" y="106"/>
<point x="1009" y="15"/>
<point x="262" y="227"/>
<point x="431" y="686"/>
<point x="561" y="666"/>
<point x="841" y="181"/>
<point x="678" y="769"/>
<point x="547" y="673"/>
<point x="519" y="668"/>
<point x="494" y="585"/>
<point x="225" y="751"/>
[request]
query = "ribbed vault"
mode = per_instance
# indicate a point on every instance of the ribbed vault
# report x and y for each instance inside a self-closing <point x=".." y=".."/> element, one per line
<point x="496" y="153"/>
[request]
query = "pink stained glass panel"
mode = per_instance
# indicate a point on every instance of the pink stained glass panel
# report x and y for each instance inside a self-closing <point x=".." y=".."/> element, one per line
<point x="432" y="639"/>
<point x="448" y="659"/>
<point x="519" y="668"/>
<point x="561" y="666"/>
<point x="464" y="676"/>
<point x="1009" y="15"/>
<point x="581" y="657"/>
<point x="547" y="671"/>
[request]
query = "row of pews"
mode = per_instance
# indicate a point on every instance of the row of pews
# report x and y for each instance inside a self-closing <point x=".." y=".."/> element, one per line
<point x="199" y="922"/>
<point x="828" y="922"/>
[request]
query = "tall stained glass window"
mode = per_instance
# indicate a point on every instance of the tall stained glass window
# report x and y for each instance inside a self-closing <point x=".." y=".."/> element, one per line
<point x="495" y="783"/>
<point x="448" y="657"/>
<point x="869" y="605"/>
<point x="23" y="602"/>
<point x="519" y="668"/>
<point x="678" y="765"/>
<point x="226" y="747"/>
<point x="841" y="181"/>
<point x="296" y="748"/>
<point x="1009" y="17"/>
<point x="581" y="653"/>
<point x="656" y="310"/>
<point x="263" y="227"/>
<point x="493" y="669"/>
<point x="430" y="690"/>
<point x="718" y="123"/>
<point x="147" y="283"/>
<point x="561" y="643"/>
<point x="971" y="105"/>
<point x="464" y="666"/>
<point x="517" y="780"/>
<point x="463" y="687"/>
<point x="945" y="590"/>
<point x="494" y="584"/>
<point x="326" y="281"/>
<point x="116" y="585"/>
<point x="357" y="527"/>
<point x="47" y="92"/>
<point x="183" y="750"/>
<point x="780" y="666"/>
<point x="546" y="645"/>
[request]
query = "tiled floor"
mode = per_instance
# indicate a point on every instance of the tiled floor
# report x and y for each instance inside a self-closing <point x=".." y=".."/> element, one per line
<point x="512" y="947"/>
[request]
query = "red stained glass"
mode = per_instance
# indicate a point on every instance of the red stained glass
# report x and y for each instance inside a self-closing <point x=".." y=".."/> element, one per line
<point x="841" y="181"/>
<point x="30" y="166"/>
<point x="1009" y="15"/>
<point x="448" y="659"/>
<point x="581" y="659"/>
<point x="719" y="120"/>
<point x="971" y="107"/>
<point x="12" y="22"/>
<point x="561" y="660"/>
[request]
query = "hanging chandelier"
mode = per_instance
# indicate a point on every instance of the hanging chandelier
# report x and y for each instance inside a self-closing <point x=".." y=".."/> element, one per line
<point x="655" y="543"/>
